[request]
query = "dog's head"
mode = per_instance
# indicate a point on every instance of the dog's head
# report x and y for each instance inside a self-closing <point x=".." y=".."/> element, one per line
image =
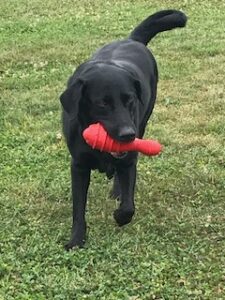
<point x="108" y="95"/>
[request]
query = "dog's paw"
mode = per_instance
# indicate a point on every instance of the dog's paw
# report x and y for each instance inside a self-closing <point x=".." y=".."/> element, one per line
<point x="78" y="236"/>
<point x="123" y="217"/>
<point x="74" y="244"/>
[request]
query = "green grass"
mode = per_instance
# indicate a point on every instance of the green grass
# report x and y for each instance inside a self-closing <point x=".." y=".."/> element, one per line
<point x="175" y="246"/>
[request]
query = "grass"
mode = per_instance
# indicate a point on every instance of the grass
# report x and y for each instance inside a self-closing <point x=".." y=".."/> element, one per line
<point x="175" y="247"/>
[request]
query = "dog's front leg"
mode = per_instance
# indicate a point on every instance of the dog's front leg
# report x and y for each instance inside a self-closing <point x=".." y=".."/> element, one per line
<point x="127" y="179"/>
<point x="80" y="183"/>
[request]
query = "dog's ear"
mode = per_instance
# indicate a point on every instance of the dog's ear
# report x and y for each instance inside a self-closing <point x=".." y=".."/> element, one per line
<point x="71" y="97"/>
<point x="137" y="85"/>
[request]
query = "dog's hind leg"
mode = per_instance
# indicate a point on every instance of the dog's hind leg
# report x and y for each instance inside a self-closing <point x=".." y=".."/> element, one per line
<point x="115" y="191"/>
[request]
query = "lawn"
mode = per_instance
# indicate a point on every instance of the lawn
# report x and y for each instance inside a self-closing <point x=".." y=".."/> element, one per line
<point x="175" y="246"/>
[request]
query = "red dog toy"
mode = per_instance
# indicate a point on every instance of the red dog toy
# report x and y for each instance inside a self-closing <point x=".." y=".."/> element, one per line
<point x="96" y="137"/>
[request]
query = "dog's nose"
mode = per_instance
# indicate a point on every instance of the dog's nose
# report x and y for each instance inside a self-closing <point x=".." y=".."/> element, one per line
<point x="126" y="134"/>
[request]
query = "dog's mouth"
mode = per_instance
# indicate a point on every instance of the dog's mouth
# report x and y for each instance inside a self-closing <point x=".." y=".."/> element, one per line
<point x="118" y="155"/>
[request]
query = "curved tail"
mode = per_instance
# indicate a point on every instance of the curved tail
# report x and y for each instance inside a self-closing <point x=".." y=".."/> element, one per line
<point x="158" y="22"/>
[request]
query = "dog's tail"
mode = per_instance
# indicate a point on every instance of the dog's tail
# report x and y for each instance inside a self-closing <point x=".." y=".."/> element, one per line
<point x="158" y="22"/>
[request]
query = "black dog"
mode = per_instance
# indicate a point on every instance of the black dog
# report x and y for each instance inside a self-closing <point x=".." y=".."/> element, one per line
<point x="116" y="87"/>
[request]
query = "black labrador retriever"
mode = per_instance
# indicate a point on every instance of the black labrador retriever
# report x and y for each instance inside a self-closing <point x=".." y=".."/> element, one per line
<point x="116" y="87"/>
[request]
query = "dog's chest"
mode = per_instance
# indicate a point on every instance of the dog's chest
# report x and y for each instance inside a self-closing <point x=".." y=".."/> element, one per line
<point x="102" y="162"/>
<point x="106" y="167"/>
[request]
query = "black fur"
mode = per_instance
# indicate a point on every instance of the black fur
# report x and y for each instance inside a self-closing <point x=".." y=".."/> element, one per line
<point x="161" y="21"/>
<point x="116" y="87"/>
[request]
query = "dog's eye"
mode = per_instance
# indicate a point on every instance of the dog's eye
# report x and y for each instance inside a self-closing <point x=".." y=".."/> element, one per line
<point x="102" y="104"/>
<point x="130" y="103"/>
<point x="128" y="100"/>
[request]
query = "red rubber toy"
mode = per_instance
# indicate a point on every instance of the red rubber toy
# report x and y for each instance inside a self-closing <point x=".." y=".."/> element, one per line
<point x="96" y="137"/>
